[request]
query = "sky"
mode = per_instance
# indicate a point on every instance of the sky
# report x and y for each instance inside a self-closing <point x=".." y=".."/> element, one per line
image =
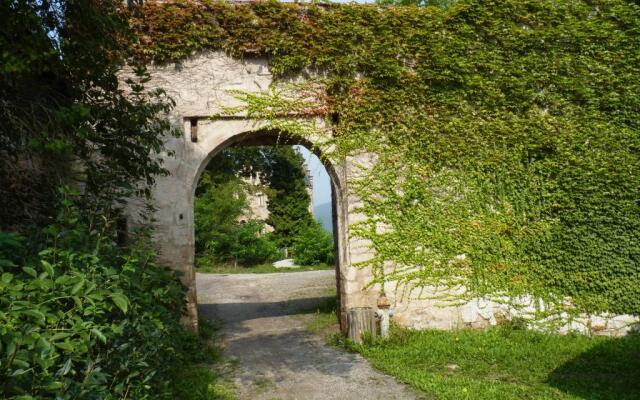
<point x="321" y="180"/>
<point x="321" y="196"/>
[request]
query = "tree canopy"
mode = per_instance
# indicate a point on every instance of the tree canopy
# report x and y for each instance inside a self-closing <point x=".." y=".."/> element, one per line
<point x="84" y="315"/>
<point x="221" y="199"/>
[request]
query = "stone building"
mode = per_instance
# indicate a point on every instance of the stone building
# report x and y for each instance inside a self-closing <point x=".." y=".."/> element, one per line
<point x="259" y="201"/>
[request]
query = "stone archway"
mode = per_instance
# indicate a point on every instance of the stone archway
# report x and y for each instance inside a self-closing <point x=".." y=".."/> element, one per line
<point x="200" y="87"/>
<point x="174" y="196"/>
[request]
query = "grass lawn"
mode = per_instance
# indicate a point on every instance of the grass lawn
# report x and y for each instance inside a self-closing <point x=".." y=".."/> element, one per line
<point x="500" y="363"/>
<point x="503" y="363"/>
<point x="255" y="269"/>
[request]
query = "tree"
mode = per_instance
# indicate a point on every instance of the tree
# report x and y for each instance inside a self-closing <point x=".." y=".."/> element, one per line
<point x="221" y="200"/>
<point x="313" y="245"/>
<point x="289" y="200"/>
<point x="220" y="237"/>
<point x="82" y="316"/>
<point x="281" y="170"/>
<point x="65" y="118"/>
<point x="217" y="210"/>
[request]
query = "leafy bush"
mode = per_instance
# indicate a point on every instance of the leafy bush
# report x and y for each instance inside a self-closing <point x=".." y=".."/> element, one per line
<point x="313" y="245"/>
<point x="252" y="245"/>
<point x="221" y="199"/>
<point x="217" y="209"/>
<point x="82" y="318"/>
<point x="220" y="237"/>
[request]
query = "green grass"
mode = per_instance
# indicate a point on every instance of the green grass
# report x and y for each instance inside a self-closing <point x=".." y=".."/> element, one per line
<point x="503" y="363"/>
<point x="200" y="377"/>
<point x="255" y="269"/>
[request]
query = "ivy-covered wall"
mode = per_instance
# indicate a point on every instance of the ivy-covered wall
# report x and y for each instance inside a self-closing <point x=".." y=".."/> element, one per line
<point x="507" y="132"/>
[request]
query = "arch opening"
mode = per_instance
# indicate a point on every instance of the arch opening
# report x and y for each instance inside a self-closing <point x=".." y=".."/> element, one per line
<point x="209" y="149"/>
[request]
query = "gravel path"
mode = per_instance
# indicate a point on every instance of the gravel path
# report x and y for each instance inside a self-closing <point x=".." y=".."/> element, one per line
<point x="264" y="317"/>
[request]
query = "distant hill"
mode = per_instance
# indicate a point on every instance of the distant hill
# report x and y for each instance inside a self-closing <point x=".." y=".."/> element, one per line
<point x="323" y="214"/>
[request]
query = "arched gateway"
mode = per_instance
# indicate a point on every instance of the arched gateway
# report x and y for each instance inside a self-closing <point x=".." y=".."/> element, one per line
<point x="200" y="87"/>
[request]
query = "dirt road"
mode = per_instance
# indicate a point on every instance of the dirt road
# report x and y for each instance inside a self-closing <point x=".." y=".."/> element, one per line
<point x="264" y="318"/>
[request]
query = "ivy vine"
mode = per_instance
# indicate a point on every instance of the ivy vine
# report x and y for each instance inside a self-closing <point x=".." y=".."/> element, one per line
<point x="507" y="133"/>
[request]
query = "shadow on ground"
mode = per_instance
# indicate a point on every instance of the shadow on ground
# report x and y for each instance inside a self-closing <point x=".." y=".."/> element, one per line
<point x="265" y="334"/>
<point x="610" y="370"/>
<point x="238" y="312"/>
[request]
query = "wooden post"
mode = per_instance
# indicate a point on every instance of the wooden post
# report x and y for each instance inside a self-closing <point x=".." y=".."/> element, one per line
<point x="361" y="320"/>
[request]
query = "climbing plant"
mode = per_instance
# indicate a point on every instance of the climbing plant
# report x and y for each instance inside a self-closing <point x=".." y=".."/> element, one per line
<point x="506" y="134"/>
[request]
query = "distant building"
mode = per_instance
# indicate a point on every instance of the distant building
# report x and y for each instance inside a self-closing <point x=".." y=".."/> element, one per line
<point x="309" y="180"/>
<point x="258" y="200"/>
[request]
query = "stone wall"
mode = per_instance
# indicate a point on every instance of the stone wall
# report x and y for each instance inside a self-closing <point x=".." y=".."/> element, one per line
<point x="200" y="87"/>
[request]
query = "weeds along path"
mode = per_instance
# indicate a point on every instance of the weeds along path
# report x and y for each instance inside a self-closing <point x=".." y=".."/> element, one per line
<point x="265" y="328"/>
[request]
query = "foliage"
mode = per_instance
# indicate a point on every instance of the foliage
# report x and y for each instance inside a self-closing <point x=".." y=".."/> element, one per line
<point x="280" y="169"/>
<point x="234" y="162"/>
<point x="506" y="133"/>
<point x="197" y="383"/>
<point x="199" y="379"/>
<point x="313" y="245"/>
<point x="83" y="319"/>
<point x="254" y="246"/>
<point x="80" y="317"/>
<point x="66" y="118"/>
<point x="220" y="237"/>
<point x="221" y="199"/>
<point x="325" y="319"/>
<point x="502" y="363"/>
<point x="423" y="3"/>
<point x="289" y="200"/>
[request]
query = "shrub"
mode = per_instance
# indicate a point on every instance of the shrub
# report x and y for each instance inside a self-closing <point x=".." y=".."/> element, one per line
<point x="82" y="318"/>
<point x="220" y="237"/>
<point x="252" y="246"/>
<point x="313" y="245"/>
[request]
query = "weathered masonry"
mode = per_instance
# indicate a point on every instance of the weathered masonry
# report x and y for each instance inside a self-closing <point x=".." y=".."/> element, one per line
<point x="200" y="86"/>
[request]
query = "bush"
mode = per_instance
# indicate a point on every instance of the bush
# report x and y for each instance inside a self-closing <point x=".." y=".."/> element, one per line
<point x="82" y="318"/>
<point x="251" y="245"/>
<point x="313" y="245"/>
<point x="220" y="237"/>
